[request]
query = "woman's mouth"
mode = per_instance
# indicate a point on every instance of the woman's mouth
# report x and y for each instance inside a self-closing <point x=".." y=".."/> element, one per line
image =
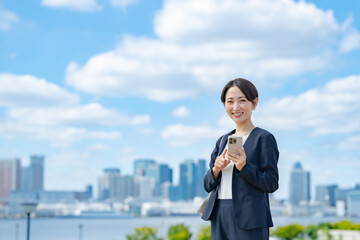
<point x="237" y="115"/>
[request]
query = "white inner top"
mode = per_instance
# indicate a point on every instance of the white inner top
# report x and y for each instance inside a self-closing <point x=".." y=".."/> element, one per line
<point x="225" y="190"/>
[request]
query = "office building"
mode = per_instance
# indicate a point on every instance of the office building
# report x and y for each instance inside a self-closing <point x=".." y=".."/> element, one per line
<point x="88" y="194"/>
<point x="145" y="186"/>
<point x="109" y="185"/>
<point x="165" y="174"/>
<point x="299" y="185"/>
<point x="32" y="177"/>
<point x="126" y="187"/>
<point x="176" y="193"/>
<point x="141" y="165"/>
<point x="188" y="179"/>
<point x="325" y="195"/>
<point x="353" y="202"/>
<point x="201" y="170"/>
<point x="10" y="178"/>
<point x="161" y="173"/>
<point x="37" y="172"/>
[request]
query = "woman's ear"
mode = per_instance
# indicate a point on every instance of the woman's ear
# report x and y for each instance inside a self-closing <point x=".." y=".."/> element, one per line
<point x="255" y="103"/>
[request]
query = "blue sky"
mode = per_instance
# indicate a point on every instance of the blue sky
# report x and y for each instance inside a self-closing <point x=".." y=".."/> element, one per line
<point x="98" y="83"/>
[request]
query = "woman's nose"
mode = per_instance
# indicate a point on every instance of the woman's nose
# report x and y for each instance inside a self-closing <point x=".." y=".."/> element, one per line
<point x="237" y="105"/>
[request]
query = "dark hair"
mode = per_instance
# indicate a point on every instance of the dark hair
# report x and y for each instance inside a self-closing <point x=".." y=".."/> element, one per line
<point x="245" y="86"/>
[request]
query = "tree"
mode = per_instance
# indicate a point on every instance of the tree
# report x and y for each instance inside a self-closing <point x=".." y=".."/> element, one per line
<point x="144" y="233"/>
<point x="312" y="231"/>
<point x="289" y="232"/>
<point x="179" y="232"/>
<point x="344" y="225"/>
<point x="204" y="233"/>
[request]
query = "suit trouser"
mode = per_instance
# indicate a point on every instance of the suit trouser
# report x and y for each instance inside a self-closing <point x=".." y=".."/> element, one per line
<point x="223" y="226"/>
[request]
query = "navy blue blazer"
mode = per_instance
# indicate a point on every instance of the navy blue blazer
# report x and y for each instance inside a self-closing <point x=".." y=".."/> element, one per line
<point x="250" y="186"/>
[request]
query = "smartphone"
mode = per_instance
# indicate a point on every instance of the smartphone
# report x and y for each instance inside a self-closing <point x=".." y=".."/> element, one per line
<point x="235" y="141"/>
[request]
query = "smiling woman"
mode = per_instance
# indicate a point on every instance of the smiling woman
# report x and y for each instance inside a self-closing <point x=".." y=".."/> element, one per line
<point x="238" y="205"/>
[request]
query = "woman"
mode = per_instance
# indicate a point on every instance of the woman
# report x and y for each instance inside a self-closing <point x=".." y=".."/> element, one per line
<point x="238" y="206"/>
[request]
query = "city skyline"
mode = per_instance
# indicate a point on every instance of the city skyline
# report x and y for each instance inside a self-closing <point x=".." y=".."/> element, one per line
<point x="97" y="84"/>
<point x="301" y="189"/>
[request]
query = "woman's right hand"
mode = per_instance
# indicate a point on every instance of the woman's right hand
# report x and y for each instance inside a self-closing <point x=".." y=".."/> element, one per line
<point x="220" y="164"/>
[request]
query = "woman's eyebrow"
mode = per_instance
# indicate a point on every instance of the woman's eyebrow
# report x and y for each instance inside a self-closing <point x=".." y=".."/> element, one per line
<point x="233" y="97"/>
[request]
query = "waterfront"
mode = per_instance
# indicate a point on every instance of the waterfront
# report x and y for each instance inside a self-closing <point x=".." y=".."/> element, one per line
<point x="117" y="229"/>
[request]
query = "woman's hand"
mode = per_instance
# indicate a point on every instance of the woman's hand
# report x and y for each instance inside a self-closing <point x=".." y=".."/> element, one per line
<point x="220" y="164"/>
<point x="238" y="160"/>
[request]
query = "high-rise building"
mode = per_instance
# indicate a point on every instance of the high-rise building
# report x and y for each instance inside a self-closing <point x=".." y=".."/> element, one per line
<point x="10" y="178"/>
<point x="325" y="195"/>
<point x="141" y="165"/>
<point x="341" y="194"/>
<point x="109" y="184"/>
<point x="32" y="177"/>
<point x="200" y="174"/>
<point x="145" y="187"/>
<point x="156" y="173"/>
<point x="126" y="187"/>
<point x="26" y="179"/>
<point x="299" y="185"/>
<point x="88" y="194"/>
<point x="353" y="202"/>
<point x="188" y="179"/>
<point x="37" y="171"/>
<point x="165" y="174"/>
<point x="165" y="177"/>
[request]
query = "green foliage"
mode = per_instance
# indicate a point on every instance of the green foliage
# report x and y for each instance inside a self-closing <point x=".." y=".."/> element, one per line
<point x="344" y="225"/>
<point x="204" y="233"/>
<point x="144" y="233"/>
<point x="179" y="232"/>
<point x="357" y="227"/>
<point x="311" y="231"/>
<point x="289" y="232"/>
<point x="325" y="225"/>
<point x="294" y="231"/>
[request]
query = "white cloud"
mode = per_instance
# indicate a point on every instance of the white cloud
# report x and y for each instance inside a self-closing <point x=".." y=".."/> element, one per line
<point x="123" y="3"/>
<point x="333" y="108"/>
<point x="350" y="42"/>
<point x="7" y="19"/>
<point x="285" y="23"/>
<point x="37" y="109"/>
<point x="84" y="115"/>
<point x="63" y="126"/>
<point x="57" y="136"/>
<point x="182" y="135"/>
<point x="181" y="112"/>
<point x="26" y="90"/>
<point x="202" y="44"/>
<point x="165" y="71"/>
<point x="79" y="5"/>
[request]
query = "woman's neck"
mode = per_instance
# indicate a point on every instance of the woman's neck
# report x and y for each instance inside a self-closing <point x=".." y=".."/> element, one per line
<point x="244" y="129"/>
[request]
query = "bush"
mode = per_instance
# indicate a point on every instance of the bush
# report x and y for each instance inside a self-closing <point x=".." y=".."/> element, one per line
<point x="204" y="233"/>
<point x="289" y="232"/>
<point x="144" y="233"/>
<point x="179" y="232"/>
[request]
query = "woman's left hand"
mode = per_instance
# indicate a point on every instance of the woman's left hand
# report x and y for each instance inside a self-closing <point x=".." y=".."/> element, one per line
<point x="238" y="160"/>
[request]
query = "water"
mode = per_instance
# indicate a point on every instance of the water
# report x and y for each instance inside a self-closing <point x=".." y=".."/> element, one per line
<point x="117" y="229"/>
